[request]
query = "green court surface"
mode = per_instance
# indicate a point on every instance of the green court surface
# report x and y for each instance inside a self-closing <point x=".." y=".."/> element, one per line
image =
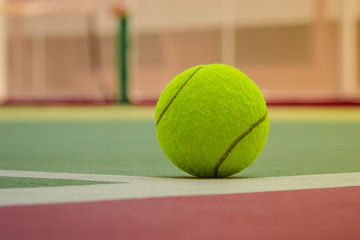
<point x="21" y="182"/>
<point x="117" y="145"/>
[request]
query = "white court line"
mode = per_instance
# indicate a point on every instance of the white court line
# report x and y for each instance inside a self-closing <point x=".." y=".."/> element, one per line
<point x="72" y="176"/>
<point x="144" y="187"/>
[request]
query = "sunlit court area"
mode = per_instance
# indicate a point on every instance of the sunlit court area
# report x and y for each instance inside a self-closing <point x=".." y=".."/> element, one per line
<point x="169" y="119"/>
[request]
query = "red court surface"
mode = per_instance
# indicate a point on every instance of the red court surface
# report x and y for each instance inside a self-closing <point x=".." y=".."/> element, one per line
<point x="331" y="213"/>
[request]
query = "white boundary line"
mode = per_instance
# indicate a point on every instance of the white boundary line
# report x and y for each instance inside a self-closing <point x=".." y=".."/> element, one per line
<point x="72" y="176"/>
<point x="129" y="187"/>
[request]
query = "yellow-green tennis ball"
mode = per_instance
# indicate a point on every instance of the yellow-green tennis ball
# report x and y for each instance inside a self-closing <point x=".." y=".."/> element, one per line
<point x="212" y="121"/>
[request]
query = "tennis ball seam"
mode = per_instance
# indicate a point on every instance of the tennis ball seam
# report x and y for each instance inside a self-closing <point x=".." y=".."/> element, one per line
<point x="235" y="142"/>
<point x="176" y="94"/>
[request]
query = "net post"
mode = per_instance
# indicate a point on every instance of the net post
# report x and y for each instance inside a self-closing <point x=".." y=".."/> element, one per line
<point x="121" y="53"/>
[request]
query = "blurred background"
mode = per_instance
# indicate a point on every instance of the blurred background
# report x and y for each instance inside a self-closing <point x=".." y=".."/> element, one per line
<point x="102" y="51"/>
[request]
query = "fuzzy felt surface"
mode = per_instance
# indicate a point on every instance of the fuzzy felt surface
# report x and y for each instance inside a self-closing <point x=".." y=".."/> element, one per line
<point x="211" y="121"/>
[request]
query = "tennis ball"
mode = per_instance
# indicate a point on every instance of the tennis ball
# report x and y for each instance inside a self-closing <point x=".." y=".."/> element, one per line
<point x="211" y="121"/>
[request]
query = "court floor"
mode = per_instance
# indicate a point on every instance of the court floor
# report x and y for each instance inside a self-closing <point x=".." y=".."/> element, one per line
<point x="95" y="159"/>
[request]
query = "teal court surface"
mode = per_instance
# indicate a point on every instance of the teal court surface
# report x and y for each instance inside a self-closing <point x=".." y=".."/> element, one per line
<point x="99" y="173"/>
